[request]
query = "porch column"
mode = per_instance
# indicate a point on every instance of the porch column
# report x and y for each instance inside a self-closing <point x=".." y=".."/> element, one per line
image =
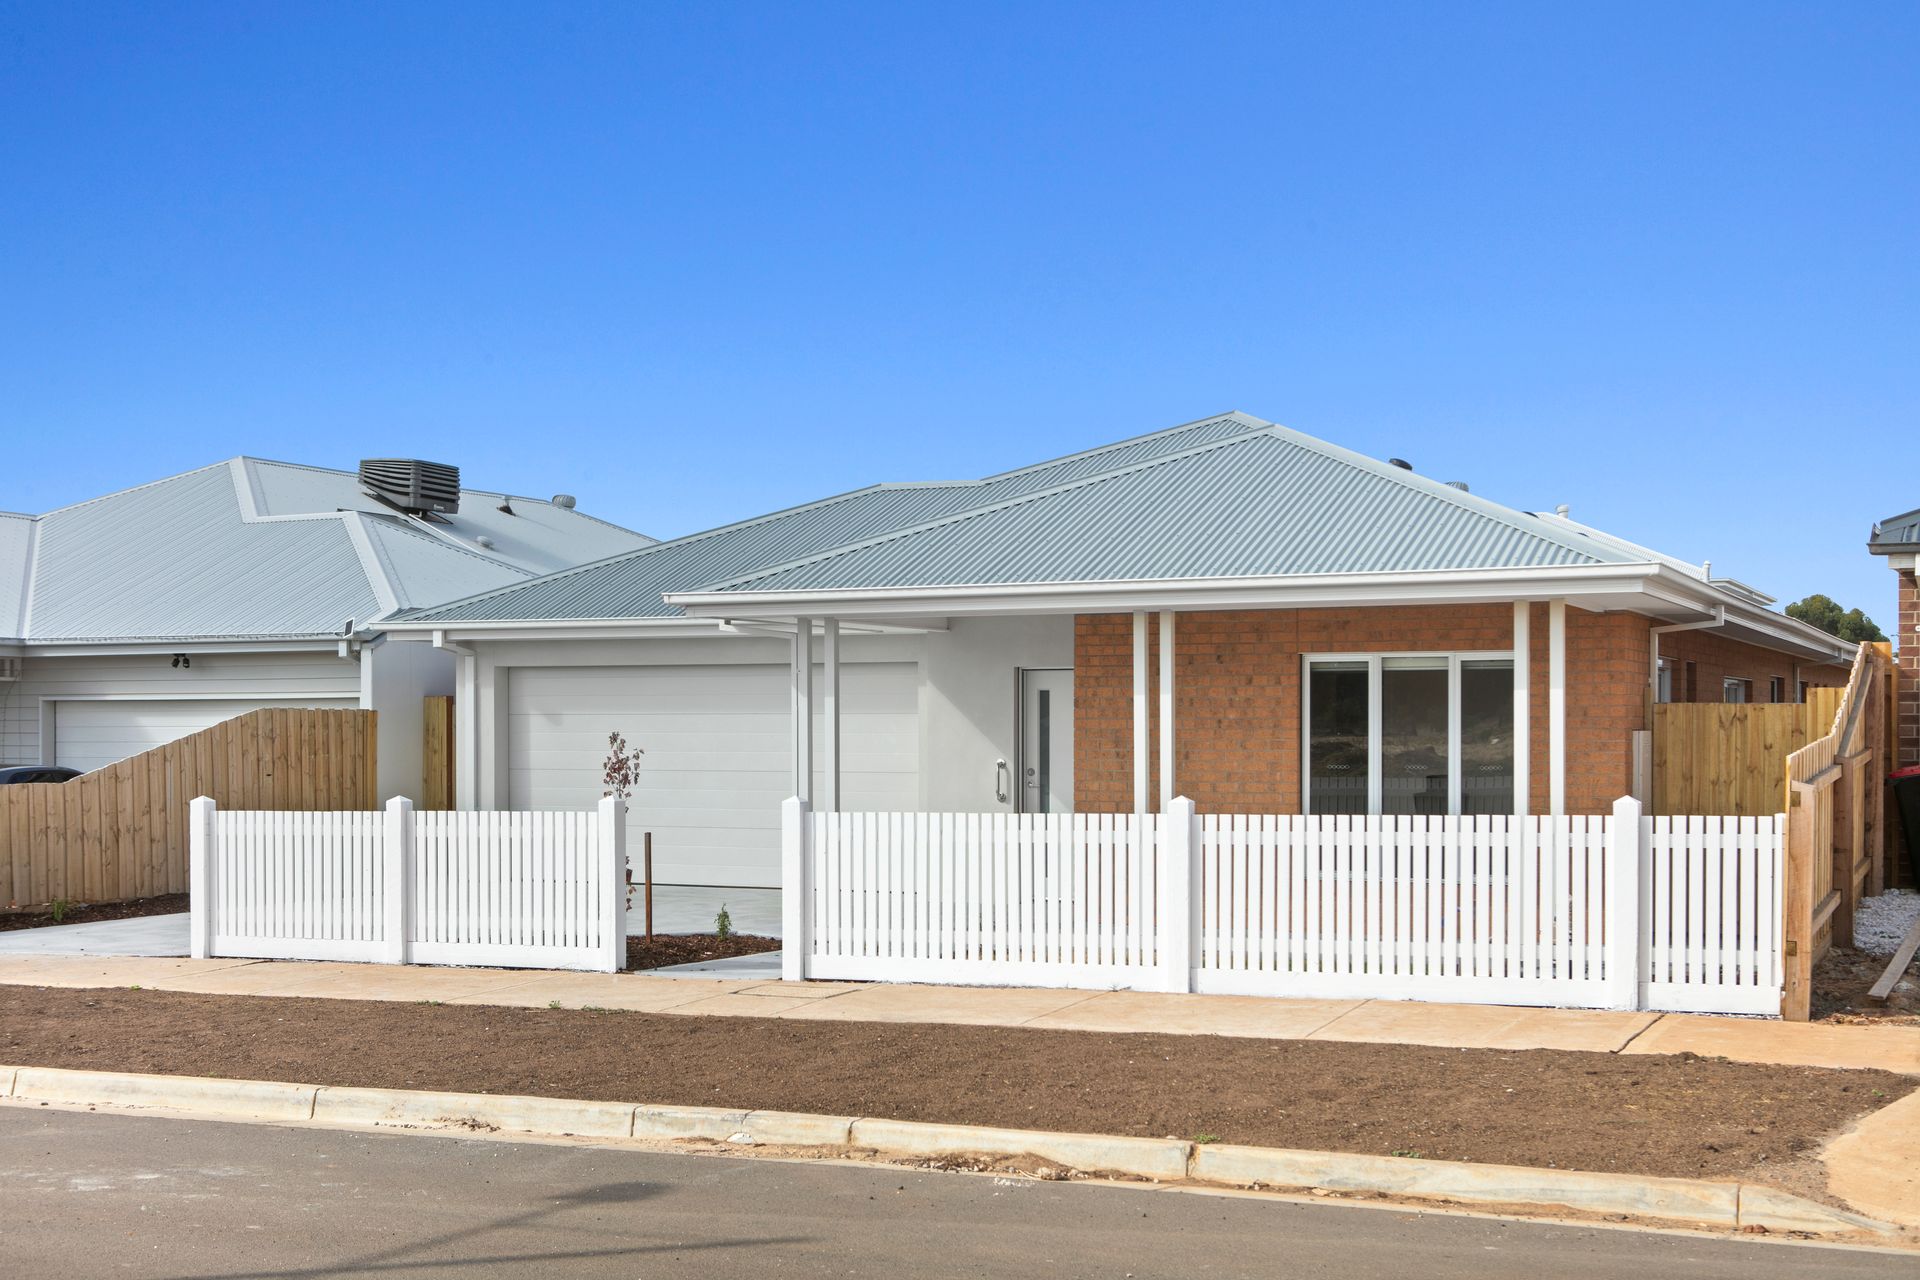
<point x="803" y="709"/>
<point x="1140" y="748"/>
<point x="1166" y="709"/>
<point x="1522" y="708"/>
<point x="830" y="716"/>
<point x="1556" y="707"/>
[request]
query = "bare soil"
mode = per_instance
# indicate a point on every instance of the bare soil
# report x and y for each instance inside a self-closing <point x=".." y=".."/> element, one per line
<point x="88" y="912"/>
<point x="1842" y="979"/>
<point x="1678" y="1116"/>
<point x="688" y="948"/>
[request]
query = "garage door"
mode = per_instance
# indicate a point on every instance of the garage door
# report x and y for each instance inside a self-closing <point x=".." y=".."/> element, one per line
<point x="92" y="735"/>
<point x="718" y="757"/>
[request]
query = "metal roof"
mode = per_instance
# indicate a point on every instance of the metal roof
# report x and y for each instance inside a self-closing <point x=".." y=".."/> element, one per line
<point x="1896" y="533"/>
<point x="1270" y="503"/>
<point x="255" y="549"/>
<point x="631" y="585"/>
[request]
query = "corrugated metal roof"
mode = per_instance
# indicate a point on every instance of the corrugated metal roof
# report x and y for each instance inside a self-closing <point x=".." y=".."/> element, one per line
<point x="631" y="586"/>
<point x="1274" y="502"/>
<point x="265" y="550"/>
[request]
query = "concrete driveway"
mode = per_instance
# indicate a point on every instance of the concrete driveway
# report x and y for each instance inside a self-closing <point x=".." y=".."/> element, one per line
<point x="140" y="936"/>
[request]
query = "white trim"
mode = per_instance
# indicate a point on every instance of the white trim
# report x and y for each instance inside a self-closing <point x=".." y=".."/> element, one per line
<point x="1522" y="708"/>
<point x="830" y="715"/>
<point x="803" y="709"/>
<point x="1166" y="709"/>
<point x="1556" y="707"/>
<point x="1375" y="661"/>
<point x="110" y="648"/>
<point x="1140" y="696"/>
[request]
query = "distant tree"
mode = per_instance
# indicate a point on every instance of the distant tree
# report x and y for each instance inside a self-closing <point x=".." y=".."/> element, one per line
<point x="1825" y="613"/>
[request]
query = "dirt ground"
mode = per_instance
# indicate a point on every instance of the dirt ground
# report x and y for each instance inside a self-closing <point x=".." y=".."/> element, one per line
<point x="1663" y="1115"/>
<point x="1840" y="983"/>
<point x="686" y="948"/>
<point x="86" y="913"/>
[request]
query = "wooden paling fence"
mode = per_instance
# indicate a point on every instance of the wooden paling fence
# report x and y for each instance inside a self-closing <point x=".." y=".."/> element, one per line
<point x="122" y="832"/>
<point x="436" y="753"/>
<point x="1727" y="757"/>
<point x="1836" y="823"/>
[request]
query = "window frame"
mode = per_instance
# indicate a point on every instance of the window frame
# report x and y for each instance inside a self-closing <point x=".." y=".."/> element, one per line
<point x="1375" y="659"/>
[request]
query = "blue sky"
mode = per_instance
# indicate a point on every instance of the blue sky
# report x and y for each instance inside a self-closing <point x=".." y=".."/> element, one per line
<point x="692" y="263"/>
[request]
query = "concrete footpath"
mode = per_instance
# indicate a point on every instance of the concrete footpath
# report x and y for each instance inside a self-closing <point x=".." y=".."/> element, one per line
<point x="1889" y="1048"/>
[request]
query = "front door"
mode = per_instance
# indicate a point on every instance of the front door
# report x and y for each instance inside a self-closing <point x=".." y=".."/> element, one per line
<point x="1046" y="741"/>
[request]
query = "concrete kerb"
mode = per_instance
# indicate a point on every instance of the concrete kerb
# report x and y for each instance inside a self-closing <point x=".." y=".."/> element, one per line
<point x="1723" y="1205"/>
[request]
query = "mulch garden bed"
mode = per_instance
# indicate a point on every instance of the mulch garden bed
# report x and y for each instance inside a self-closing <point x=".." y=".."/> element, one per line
<point x="86" y="913"/>
<point x="1680" y="1116"/>
<point x="687" y="948"/>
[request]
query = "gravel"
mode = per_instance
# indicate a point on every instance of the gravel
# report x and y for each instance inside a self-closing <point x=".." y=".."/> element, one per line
<point x="1879" y="923"/>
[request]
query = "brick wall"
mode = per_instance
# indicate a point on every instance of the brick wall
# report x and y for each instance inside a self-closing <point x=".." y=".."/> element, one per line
<point x="1907" y="651"/>
<point x="1716" y="658"/>
<point x="1237" y="696"/>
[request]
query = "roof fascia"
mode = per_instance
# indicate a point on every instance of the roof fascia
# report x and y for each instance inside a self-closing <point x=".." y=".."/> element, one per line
<point x="89" y="649"/>
<point x="1292" y="591"/>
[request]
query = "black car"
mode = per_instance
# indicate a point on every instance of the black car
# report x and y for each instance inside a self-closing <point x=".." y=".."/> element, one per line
<point x="37" y="773"/>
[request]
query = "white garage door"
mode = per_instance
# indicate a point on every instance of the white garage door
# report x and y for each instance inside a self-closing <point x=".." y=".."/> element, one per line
<point x="94" y="734"/>
<point x="718" y="757"/>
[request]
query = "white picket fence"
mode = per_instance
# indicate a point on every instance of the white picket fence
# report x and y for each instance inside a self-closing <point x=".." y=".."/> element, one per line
<point x="518" y="890"/>
<point x="1617" y="911"/>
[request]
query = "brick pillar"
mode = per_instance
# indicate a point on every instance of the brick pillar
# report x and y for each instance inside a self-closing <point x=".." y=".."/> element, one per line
<point x="1907" y="647"/>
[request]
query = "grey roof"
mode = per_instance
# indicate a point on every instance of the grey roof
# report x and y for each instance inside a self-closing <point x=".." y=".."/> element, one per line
<point x="1896" y="533"/>
<point x="631" y="585"/>
<point x="254" y="549"/>
<point x="1268" y="503"/>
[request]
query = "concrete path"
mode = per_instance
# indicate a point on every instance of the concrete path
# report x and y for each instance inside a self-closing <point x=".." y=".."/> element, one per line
<point x="1376" y="1021"/>
<point x="94" y="1194"/>
<point x="140" y="936"/>
<point x="676" y="909"/>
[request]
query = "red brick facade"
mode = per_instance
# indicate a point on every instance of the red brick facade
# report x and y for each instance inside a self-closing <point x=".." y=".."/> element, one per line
<point x="1237" y="695"/>
<point x="1907" y="651"/>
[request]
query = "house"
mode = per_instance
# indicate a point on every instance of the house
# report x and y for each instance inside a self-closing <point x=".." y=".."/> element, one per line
<point x="1898" y="539"/>
<point x="133" y="619"/>
<point x="1231" y="610"/>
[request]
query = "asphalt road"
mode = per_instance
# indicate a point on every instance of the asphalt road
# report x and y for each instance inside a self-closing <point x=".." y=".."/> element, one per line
<point x="85" y="1195"/>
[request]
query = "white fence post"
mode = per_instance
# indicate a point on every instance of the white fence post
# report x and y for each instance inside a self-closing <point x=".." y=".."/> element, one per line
<point x="1626" y="961"/>
<point x="1179" y="842"/>
<point x="396" y="872"/>
<point x="613" y="912"/>
<point x="200" y="859"/>
<point x="796" y="889"/>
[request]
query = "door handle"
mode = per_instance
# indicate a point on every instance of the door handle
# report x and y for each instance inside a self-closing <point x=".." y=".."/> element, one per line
<point x="1002" y="781"/>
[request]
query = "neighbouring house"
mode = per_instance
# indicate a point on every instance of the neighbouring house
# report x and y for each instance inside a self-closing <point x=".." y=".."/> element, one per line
<point x="136" y="618"/>
<point x="1230" y="610"/>
<point x="1898" y="539"/>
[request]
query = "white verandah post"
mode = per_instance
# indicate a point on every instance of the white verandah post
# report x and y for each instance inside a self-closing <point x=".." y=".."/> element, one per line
<point x="1557" y="707"/>
<point x="1141" y="798"/>
<point x="1522" y="708"/>
<point x="803" y="708"/>
<point x="796" y="889"/>
<point x="200" y="860"/>
<point x="830" y="716"/>
<point x="1166" y="709"/>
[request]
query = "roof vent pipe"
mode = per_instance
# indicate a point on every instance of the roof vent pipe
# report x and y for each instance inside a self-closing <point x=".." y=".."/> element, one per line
<point x="1563" y="511"/>
<point x="564" y="501"/>
<point x="1461" y="485"/>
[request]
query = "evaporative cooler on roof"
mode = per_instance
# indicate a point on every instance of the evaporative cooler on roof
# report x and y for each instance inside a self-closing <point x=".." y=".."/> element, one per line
<point x="412" y="485"/>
